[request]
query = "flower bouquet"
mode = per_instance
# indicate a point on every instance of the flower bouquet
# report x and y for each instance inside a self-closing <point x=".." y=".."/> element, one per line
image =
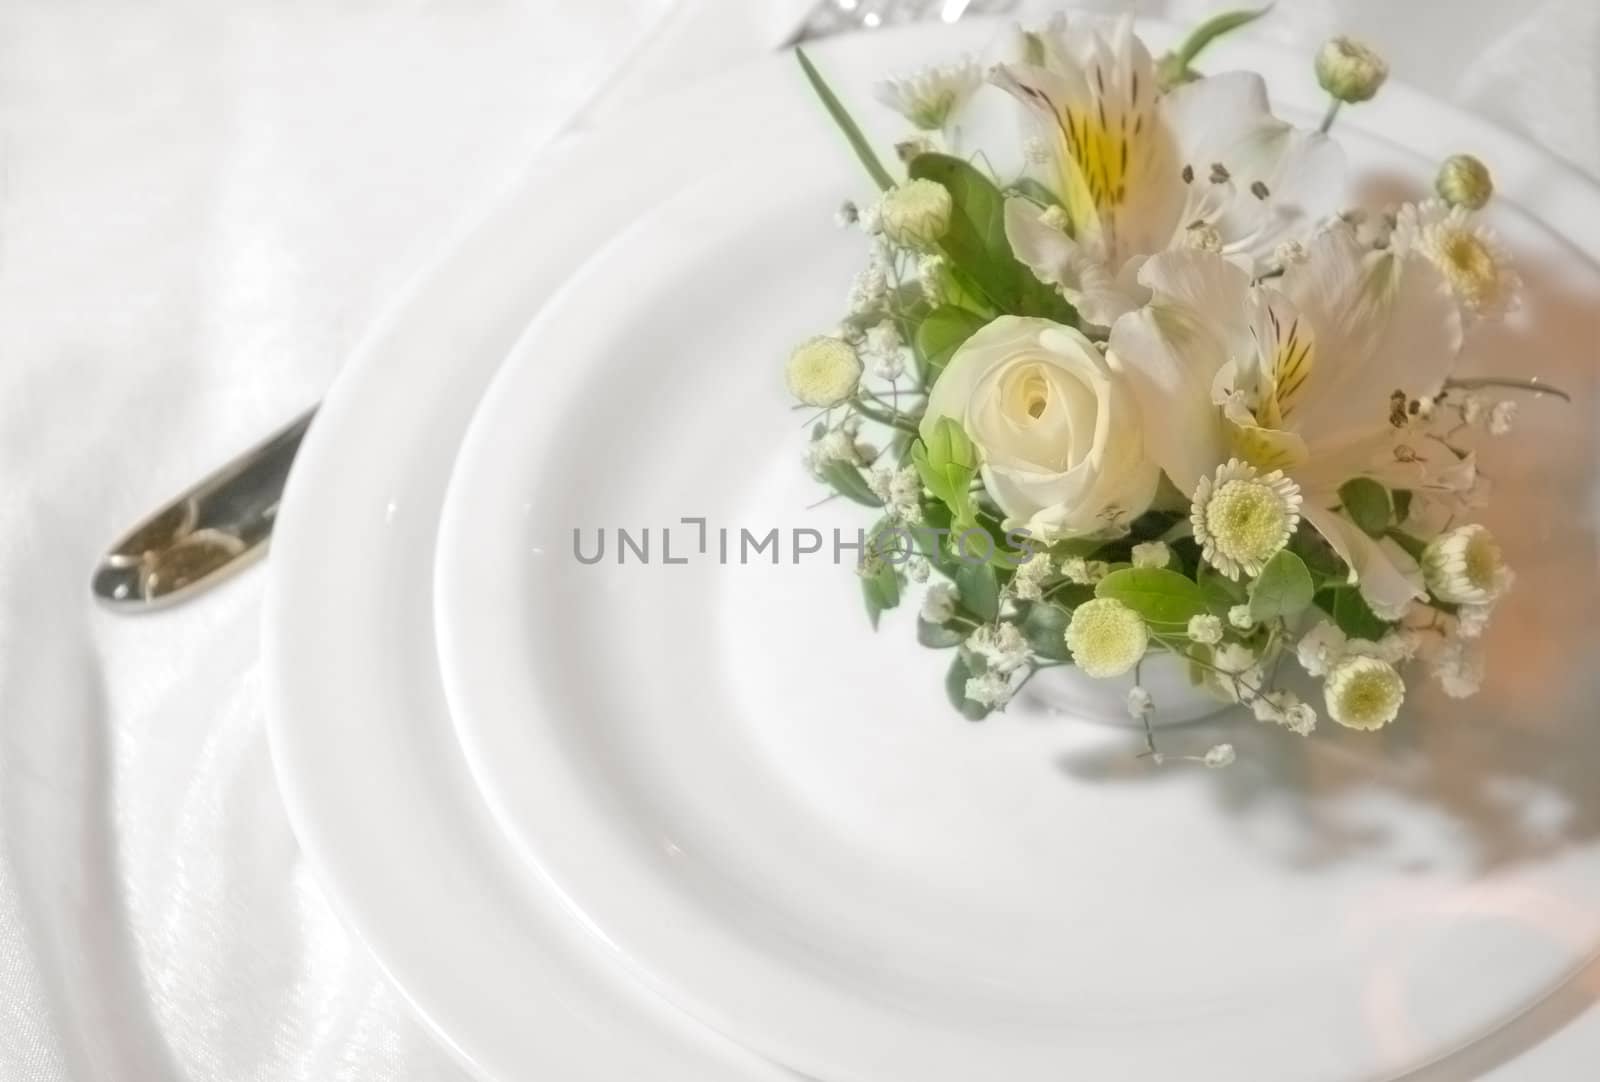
<point x="1154" y="397"/>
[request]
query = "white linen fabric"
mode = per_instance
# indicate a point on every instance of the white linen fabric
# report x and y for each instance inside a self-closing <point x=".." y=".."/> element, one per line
<point x="202" y="206"/>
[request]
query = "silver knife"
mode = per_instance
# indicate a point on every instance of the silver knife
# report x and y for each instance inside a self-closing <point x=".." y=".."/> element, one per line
<point x="218" y="526"/>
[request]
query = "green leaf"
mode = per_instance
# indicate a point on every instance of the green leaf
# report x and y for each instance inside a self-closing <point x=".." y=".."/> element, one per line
<point x="1160" y="596"/>
<point x="1212" y="29"/>
<point x="935" y="517"/>
<point x="940" y="334"/>
<point x="1414" y="547"/>
<point x="880" y="591"/>
<point x="955" y="688"/>
<point x="1044" y="625"/>
<point x="1283" y="589"/>
<point x="847" y="125"/>
<point x="978" y="587"/>
<point x="1402" y="504"/>
<point x="1325" y="565"/>
<point x="975" y="241"/>
<point x="1221" y="593"/>
<point x="947" y="461"/>
<point x="1367" y="504"/>
<point x="1351" y="613"/>
<point x="1044" y="301"/>
<point x="847" y="481"/>
<point x="937" y="636"/>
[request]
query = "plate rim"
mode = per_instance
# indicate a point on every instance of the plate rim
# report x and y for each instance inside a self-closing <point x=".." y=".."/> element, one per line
<point x="664" y="1041"/>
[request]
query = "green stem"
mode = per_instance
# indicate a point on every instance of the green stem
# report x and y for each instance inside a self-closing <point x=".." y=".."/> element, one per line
<point x="1509" y="384"/>
<point x="893" y="420"/>
<point x="1330" y="116"/>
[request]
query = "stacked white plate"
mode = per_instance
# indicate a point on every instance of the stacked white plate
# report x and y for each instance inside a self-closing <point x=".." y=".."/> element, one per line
<point x="694" y="821"/>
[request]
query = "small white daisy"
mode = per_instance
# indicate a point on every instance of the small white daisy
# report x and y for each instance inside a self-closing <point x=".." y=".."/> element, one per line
<point x="1364" y="693"/>
<point x="1243" y="517"/>
<point x="1465" y="566"/>
<point x="1106" y="637"/>
<point x="823" y="371"/>
<point x="930" y="97"/>
<point x="1468" y="255"/>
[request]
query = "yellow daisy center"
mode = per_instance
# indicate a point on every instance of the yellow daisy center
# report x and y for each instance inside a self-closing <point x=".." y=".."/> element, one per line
<point x="1483" y="560"/>
<point x="1365" y="693"/>
<point x="823" y="371"/>
<point x="1248" y="521"/>
<point x="1467" y="263"/>
<point x="1106" y="637"/>
<point x="1465" y="566"/>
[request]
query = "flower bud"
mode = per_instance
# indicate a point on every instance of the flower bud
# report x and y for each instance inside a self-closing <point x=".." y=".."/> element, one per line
<point x="1350" y="71"/>
<point x="823" y="372"/>
<point x="1464" y="181"/>
<point x="916" y="214"/>
<point x="1465" y="567"/>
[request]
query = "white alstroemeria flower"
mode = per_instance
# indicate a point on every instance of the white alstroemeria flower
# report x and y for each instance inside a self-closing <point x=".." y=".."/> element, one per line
<point x="1204" y="165"/>
<point x="1300" y="374"/>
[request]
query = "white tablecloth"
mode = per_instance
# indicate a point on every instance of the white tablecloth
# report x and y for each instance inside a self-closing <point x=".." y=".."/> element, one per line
<point x="202" y="206"/>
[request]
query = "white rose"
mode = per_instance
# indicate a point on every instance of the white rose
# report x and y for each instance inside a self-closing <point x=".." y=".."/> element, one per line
<point x="1063" y="453"/>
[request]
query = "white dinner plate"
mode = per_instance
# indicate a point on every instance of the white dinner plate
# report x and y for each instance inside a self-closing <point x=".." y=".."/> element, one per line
<point x="368" y="765"/>
<point x="774" y="817"/>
